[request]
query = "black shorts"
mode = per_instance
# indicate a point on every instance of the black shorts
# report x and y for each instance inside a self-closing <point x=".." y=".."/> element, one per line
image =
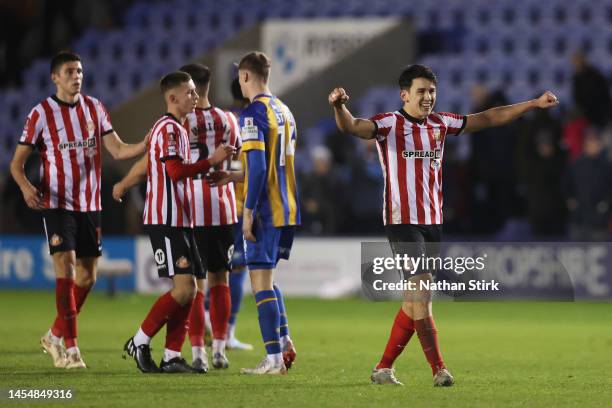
<point x="216" y="246"/>
<point x="415" y="241"/>
<point x="73" y="231"/>
<point x="175" y="251"/>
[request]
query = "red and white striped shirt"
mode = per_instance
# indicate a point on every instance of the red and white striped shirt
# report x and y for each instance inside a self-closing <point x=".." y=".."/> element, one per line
<point x="410" y="154"/>
<point x="168" y="202"/>
<point x="208" y="128"/>
<point x="68" y="137"/>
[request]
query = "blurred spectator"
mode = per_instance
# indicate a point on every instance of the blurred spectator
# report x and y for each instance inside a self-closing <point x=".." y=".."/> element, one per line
<point x="494" y="196"/>
<point x="589" y="192"/>
<point x="544" y="168"/>
<point x="365" y="192"/>
<point x="320" y="193"/>
<point x="590" y="91"/>
<point x="16" y="216"/>
<point x="15" y="16"/>
<point x="573" y="132"/>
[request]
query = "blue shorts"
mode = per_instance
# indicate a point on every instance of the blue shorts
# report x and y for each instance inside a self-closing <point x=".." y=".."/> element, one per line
<point x="273" y="244"/>
<point x="238" y="260"/>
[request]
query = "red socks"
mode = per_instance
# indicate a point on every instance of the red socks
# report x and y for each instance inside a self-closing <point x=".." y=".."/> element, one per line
<point x="66" y="310"/>
<point x="196" y="321"/>
<point x="176" y="328"/>
<point x="220" y="310"/>
<point x="80" y="294"/>
<point x="428" y="336"/>
<point x="401" y="332"/>
<point x="164" y="307"/>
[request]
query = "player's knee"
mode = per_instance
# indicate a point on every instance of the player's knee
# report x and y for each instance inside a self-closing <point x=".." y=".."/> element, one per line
<point x="65" y="264"/>
<point x="184" y="291"/>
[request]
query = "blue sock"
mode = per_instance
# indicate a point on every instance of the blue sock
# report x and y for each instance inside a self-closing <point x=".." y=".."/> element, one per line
<point x="284" y="325"/>
<point x="267" y="308"/>
<point x="236" y="284"/>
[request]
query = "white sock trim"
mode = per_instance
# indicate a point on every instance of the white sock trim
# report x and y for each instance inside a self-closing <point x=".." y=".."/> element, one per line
<point x="170" y="354"/>
<point x="275" y="359"/>
<point x="141" y="338"/>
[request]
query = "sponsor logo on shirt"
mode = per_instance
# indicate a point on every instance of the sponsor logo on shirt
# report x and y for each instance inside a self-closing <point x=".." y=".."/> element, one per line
<point x="422" y="154"/>
<point x="249" y="131"/>
<point x="78" y="144"/>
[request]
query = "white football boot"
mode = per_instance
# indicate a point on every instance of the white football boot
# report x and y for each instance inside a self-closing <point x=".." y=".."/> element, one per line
<point x="384" y="376"/>
<point x="443" y="378"/>
<point x="265" y="367"/>
<point x="74" y="360"/>
<point x="57" y="351"/>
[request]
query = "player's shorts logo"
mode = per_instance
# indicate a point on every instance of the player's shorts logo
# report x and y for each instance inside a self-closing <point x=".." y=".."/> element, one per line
<point x="56" y="240"/>
<point x="160" y="257"/>
<point x="182" y="263"/>
<point x="230" y="252"/>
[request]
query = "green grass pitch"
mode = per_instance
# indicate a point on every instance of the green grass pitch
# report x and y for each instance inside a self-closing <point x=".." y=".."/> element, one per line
<point x="502" y="354"/>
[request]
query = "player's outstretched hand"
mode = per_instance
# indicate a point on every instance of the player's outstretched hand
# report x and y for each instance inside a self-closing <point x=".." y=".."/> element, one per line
<point x="119" y="191"/>
<point x="33" y="198"/>
<point x="338" y="97"/>
<point x="222" y="153"/>
<point x="547" y="100"/>
<point x="219" y="178"/>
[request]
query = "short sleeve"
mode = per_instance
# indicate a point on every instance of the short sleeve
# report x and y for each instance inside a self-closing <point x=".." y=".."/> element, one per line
<point x="454" y="123"/>
<point x="105" y="123"/>
<point x="32" y="129"/>
<point x="253" y="125"/>
<point x="171" y="148"/>
<point x="383" y="122"/>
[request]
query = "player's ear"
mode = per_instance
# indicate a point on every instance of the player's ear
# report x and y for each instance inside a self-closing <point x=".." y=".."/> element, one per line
<point x="404" y="95"/>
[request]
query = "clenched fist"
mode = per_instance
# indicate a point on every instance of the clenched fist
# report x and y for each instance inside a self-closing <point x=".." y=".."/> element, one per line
<point x="338" y="97"/>
<point x="547" y="100"/>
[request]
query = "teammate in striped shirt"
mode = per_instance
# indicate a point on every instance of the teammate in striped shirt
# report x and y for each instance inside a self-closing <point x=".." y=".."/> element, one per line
<point x="410" y="145"/>
<point x="69" y="129"/>
<point x="215" y="215"/>
<point x="214" y="219"/>
<point x="168" y="218"/>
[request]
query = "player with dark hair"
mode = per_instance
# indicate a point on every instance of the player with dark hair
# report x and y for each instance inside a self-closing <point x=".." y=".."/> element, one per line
<point x="68" y="129"/>
<point x="410" y="144"/>
<point x="215" y="217"/>
<point x="271" y="209"/>
<point x="169" y="217"/>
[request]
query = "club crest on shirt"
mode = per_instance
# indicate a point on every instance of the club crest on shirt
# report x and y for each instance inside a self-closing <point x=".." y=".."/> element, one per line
<point x="249" y="131"/>
<point x="437" y="134"/>
<point x="90" y="126"/>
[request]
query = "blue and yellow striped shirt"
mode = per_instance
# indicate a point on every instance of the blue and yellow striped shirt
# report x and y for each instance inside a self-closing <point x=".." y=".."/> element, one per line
<point x="268" y="125"/>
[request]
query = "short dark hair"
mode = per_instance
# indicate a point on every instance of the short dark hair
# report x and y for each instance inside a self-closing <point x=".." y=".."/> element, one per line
<point x="236" y="91"/>
<point x="415" y="71"/>
<point x="173" y="80"/>
<point x="199" y="73"/>
<point x="257" y="62"/>
<point x="61" y="58"/>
